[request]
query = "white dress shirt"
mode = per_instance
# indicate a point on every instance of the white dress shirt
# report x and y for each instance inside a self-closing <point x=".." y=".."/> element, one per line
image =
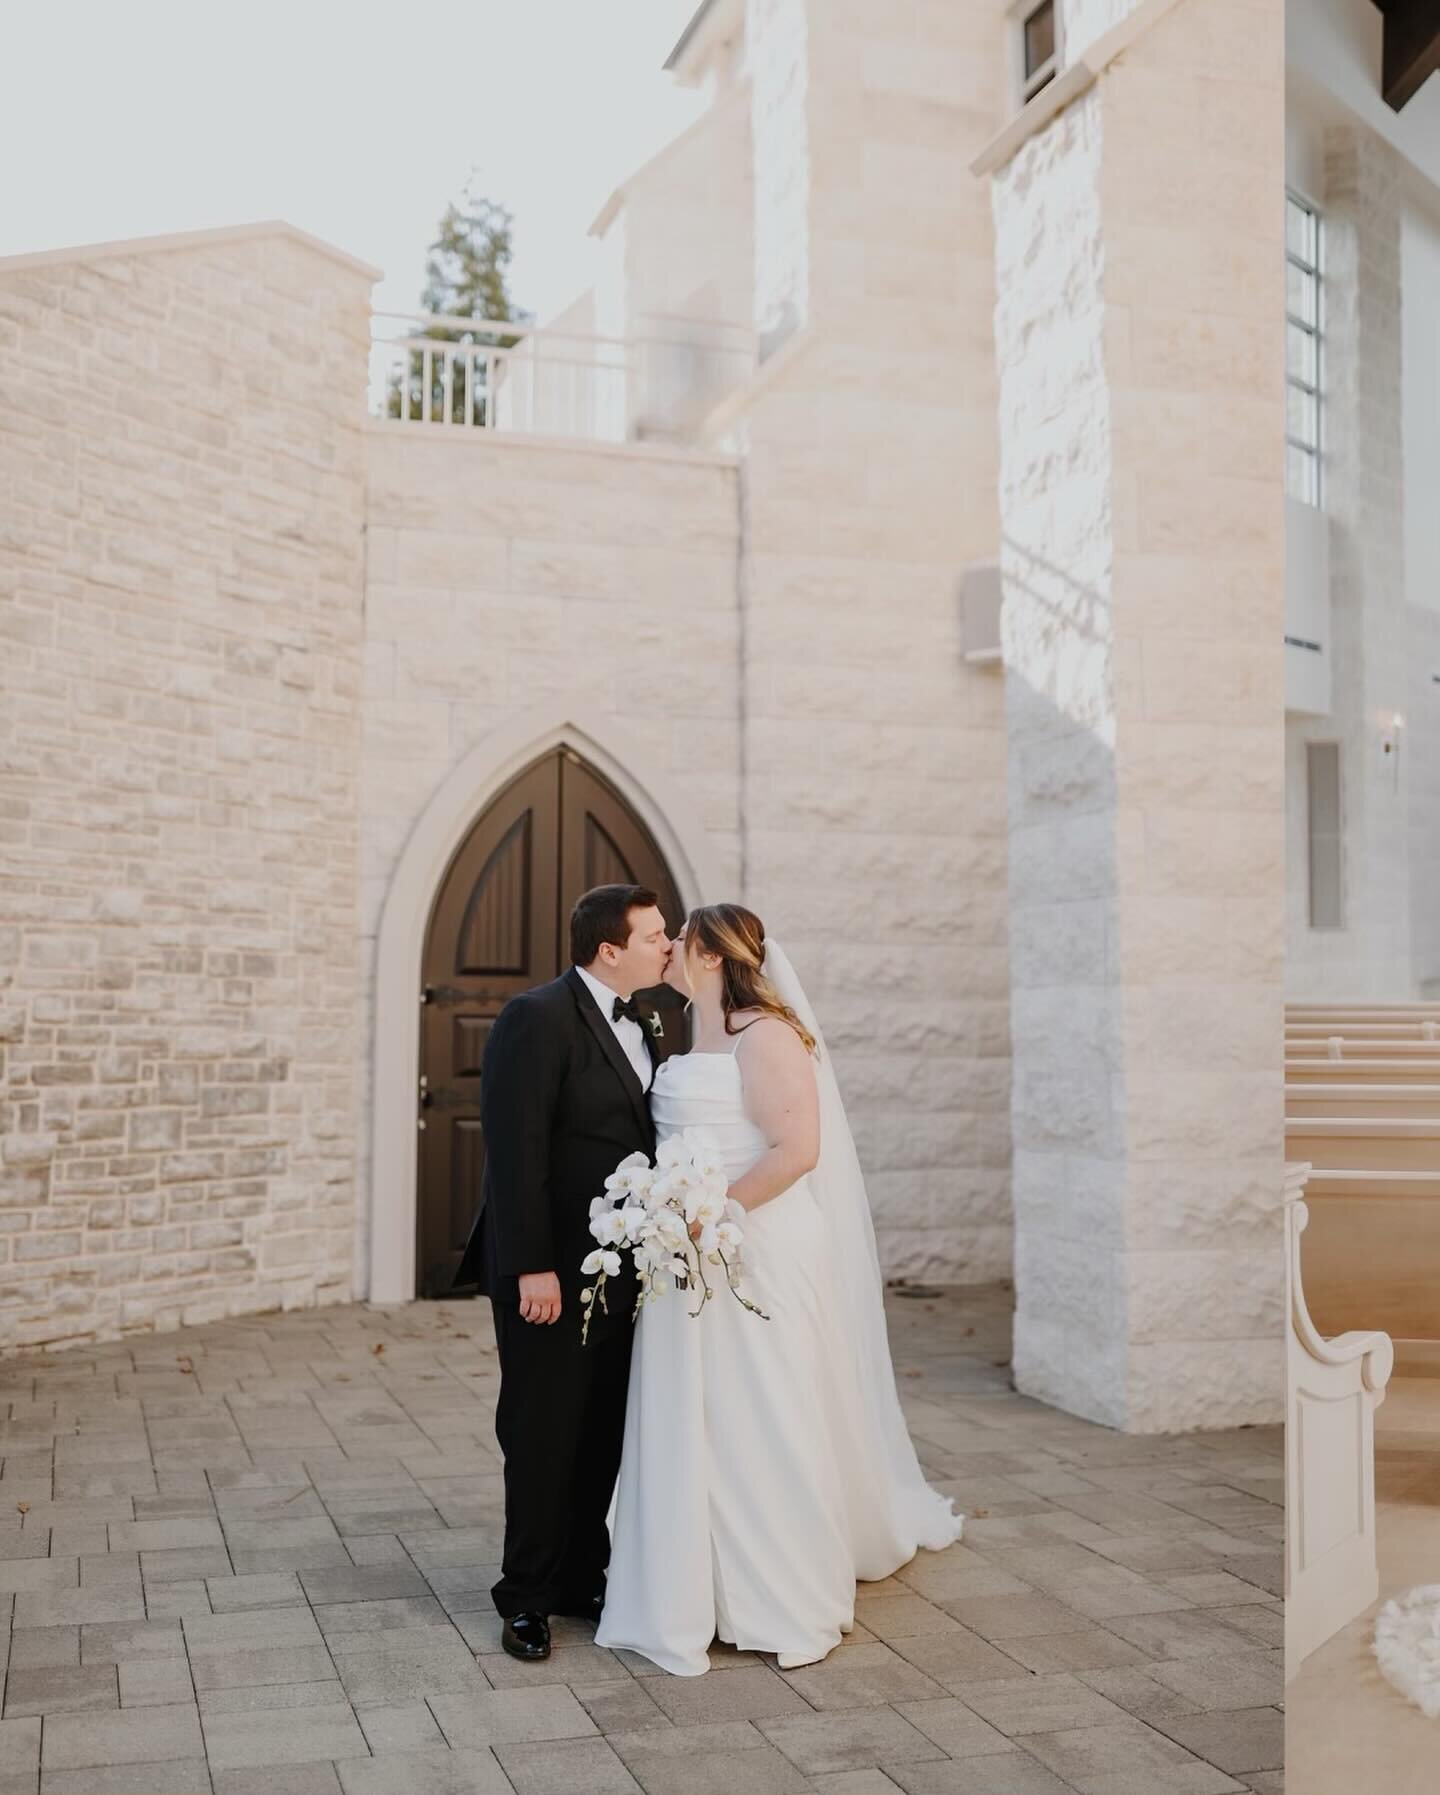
<point x="629" y="1034"/>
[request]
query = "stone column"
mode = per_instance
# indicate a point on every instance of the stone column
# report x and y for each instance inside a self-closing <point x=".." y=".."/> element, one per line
<point x="1139" y="269"/>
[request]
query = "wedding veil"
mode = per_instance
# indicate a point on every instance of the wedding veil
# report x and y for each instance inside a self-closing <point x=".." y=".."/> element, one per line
<point x="892" y="1506"/>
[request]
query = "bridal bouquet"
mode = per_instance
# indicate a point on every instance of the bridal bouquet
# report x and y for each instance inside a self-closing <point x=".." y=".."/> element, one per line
<point x="649" y="1211"/>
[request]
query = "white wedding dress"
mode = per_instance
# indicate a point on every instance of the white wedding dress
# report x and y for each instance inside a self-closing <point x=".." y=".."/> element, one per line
<point x="765" y="1465"/>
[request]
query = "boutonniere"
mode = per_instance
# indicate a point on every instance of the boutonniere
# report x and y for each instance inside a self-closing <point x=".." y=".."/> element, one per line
<point x="654" y="1024"/>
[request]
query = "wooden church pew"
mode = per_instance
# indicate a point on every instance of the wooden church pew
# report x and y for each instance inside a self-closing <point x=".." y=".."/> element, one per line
<point x="1382" y="1070"/>
<point x="1405" y="1143"/>
<point x="1372" y="1253"/>
<point x="1428" y="1030"/>
<point x="1363" y="1097"/>
<point x="1378" y="1011"/>
<point x="1362" y="1104"/>
<point x="1347" y="1047"/>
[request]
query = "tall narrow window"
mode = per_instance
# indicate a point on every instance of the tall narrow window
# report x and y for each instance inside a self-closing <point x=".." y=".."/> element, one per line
<point x="1039" y="48"/>
<point x="1303" y="325"/>
<point x="1322" y="767"/>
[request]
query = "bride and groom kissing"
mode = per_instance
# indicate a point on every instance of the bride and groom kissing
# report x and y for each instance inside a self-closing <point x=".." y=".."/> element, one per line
<point x="678" y="1478"/>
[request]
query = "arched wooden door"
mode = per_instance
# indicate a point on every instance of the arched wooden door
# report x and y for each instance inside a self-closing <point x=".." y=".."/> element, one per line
<point x="500" y="924"/>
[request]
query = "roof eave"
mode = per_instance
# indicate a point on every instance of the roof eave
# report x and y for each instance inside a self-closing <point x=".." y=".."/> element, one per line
<point x="182" y="240"/>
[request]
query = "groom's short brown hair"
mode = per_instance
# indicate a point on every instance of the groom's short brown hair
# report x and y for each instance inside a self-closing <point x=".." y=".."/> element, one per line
<point x="604" y="915"/>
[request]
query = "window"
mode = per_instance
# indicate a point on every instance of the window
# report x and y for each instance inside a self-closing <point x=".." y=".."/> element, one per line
<point x="1322" y="769"/>
<point x="1039" y="48"/>
<point x="1302" y="350"/>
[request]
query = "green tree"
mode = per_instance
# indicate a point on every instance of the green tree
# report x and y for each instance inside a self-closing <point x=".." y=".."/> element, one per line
<point x="466" y="276"/>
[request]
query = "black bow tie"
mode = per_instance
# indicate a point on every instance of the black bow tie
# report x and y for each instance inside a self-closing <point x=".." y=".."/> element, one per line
<point x="625" y="1006"/>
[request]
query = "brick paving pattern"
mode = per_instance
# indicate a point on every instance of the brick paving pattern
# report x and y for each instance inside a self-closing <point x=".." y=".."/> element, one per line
<point x="255" y="1556"/>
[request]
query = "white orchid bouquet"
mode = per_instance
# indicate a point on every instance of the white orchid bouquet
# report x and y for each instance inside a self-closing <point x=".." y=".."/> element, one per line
<point x="674" y="1218"/>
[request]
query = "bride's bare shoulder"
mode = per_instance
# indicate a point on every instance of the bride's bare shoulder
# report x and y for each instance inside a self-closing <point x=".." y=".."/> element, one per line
<point x="766" y="1035"/>
<point x="756" y="1023"/>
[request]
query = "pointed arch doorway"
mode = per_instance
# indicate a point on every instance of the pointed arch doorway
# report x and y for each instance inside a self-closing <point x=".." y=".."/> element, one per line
<point x="499" y="925"/>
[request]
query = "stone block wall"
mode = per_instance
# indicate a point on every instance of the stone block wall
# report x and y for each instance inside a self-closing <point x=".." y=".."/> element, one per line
<point x="778" y="56"/>
<point x="1192" y="183"/>
<point x="675" y="274"/>
<point x="683" y="228"/>
<point x="512" y="579"/>
<point x="507" y="576"/>
<point x="181" y="514"/>
<point x="1059" y="629"/>
<point x="1138" y="331"/>
<point x="873" y="809"/>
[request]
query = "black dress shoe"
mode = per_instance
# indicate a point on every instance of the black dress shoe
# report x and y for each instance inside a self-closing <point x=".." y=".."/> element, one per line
<point x="527" y="1636"/>
<point x="587" y="1608"/>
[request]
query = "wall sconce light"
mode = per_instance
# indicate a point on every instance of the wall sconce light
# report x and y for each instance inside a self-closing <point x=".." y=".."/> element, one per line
<point x="1390" y="743"/>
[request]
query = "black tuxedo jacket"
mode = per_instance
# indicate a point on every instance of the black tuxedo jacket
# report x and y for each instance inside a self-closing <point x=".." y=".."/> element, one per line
<point x="560" y="1107"/>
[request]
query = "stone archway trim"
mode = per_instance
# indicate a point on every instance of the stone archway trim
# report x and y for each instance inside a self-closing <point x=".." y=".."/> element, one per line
<point x="387" y="1253"/>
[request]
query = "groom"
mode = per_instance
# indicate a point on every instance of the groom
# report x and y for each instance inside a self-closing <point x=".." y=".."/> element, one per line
<point x="563" y="1099"/>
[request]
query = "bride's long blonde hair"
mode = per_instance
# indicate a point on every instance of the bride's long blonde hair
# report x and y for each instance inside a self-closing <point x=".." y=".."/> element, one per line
<point x="738" y="936"/>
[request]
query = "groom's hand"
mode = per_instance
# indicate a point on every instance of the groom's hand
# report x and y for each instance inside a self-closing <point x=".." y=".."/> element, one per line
<point x="539" y="1296"/>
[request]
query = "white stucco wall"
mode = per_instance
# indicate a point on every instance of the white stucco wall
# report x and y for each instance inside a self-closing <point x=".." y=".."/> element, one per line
<point x="1333" y="54"/>
<point x="1420" y="420"/>
<point x="1373" y="473"/>
<point x="1381" y="470"/>
<point x="1420" y="337"/>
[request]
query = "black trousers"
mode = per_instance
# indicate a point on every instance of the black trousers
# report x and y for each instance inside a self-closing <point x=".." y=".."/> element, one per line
<point x="560" y="1422"/>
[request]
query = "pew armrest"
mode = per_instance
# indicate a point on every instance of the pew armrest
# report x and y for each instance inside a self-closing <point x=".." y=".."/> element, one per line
<point x="1333" y="1388"/>
<point x="1373" y="1351"/>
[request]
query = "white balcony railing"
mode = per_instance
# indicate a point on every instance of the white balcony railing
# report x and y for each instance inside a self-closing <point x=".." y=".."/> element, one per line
<point x="481" y="374"/>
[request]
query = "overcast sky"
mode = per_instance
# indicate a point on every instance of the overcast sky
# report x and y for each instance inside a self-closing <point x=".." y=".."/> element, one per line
<point x="355" y="119"/>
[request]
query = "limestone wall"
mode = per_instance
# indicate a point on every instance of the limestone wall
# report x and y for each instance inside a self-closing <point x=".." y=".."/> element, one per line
<point x="778" y="53"/>
<point x="675" y="271"/>
<point x="1140" y="273"/>
<point x="874" y="796"/>
<point x="684" y="221"/>
<point x="1193" y="154"/>
<point x="1082" y="21"/>
<point x="180" y="583"/>
<point x="1057" y="449"/>
<point x="512" y="579"/>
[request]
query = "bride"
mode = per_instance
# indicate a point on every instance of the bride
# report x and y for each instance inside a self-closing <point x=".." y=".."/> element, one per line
<point x="766" y="1463"/>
